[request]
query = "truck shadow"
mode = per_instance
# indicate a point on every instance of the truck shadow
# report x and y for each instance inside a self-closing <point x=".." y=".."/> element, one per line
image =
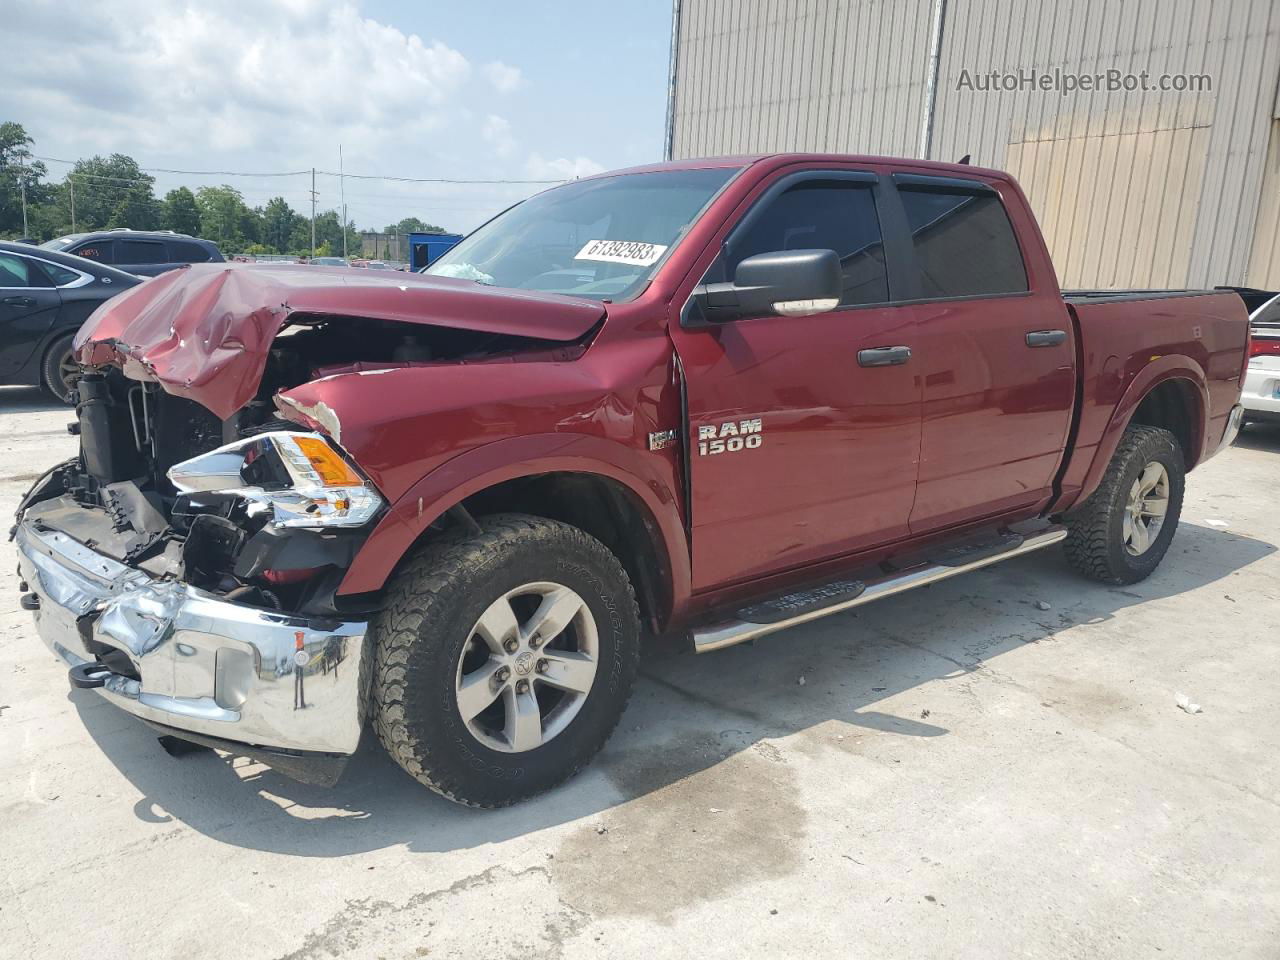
<point x="30" y="400"/>
<point x="821" y="685"/>
<point x="1260" y="436"/>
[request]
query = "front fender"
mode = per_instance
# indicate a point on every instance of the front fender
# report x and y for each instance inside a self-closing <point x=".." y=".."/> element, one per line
<point x="483" y="467"/>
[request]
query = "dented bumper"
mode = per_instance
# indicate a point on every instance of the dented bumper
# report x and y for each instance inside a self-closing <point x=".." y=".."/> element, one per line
<point x="190" y="661"/>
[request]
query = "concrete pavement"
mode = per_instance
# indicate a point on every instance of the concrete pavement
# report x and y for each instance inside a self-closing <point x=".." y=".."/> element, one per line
<point x="960" y="774"/>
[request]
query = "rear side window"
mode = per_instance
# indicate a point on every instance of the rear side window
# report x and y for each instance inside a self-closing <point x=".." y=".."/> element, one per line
<point x="103" y="251"/>
<point x="140" y="251"/>
<point x="964" y="243"/>
<point x="837" y="215"/>
<point x="184" y="251"/>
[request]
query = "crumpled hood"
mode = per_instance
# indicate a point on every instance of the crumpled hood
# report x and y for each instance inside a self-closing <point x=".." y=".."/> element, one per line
<point x="204" y="331"/>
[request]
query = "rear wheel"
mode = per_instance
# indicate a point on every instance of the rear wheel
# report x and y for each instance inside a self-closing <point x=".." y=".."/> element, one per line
<point x="59" y="371"/>
<point x="503" y="660"/>
<point x="1121" y="533"/>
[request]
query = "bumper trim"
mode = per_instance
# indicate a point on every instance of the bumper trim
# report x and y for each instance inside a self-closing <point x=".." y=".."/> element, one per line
<point x="200" y="664"/>
<point x="1235" y="420"/>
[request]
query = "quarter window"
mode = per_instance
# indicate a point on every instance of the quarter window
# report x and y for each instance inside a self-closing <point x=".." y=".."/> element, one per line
<point x="837" y="215"/>
<point x="964" y="243"/>
<point x="182" y="251"/>
<point x="60" y="276"/>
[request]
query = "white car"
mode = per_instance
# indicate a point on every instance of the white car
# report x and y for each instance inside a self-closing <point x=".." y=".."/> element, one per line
<point x="1261" y="394"/>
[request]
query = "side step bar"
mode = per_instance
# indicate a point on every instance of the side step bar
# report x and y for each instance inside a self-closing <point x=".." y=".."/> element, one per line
<point x="758" y="621"/>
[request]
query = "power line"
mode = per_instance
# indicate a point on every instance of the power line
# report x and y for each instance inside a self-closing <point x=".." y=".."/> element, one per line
<point x="190" y="173"/>
<point x="374" y="176"/>
<point x="300" y="173"/>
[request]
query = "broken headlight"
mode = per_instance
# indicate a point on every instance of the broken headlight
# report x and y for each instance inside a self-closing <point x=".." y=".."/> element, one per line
<point x="300" y="477"/>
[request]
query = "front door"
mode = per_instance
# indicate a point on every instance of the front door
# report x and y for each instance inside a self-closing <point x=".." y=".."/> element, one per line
<point x="799" y="453"/>
<point x="28" y="307"/>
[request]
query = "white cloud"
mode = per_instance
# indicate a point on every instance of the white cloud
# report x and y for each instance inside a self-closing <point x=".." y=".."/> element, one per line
<point x="277" y="85"/>
<point x="561" y="168"/>
<point x="231" y="75"/>
<point x="497" y="132"/>
<point x="505" y="78"/>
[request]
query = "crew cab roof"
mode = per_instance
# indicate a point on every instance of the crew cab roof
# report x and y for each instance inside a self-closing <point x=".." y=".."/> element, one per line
<point x="783" y="159"/>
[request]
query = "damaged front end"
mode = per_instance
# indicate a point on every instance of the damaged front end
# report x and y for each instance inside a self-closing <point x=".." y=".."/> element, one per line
<point x="187" y="563"/>
<point x="200" y="595"/>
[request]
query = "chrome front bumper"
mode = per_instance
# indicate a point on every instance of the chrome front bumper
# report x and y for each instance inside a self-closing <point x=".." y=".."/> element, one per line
<point x="206" y="666"/>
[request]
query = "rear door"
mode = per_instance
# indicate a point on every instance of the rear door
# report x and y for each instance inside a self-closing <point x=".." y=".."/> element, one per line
<point x="28" y="308"/>
<point x="799" y="453"/>
<point x="995" y="354"/>
<point x="147" y="257"/>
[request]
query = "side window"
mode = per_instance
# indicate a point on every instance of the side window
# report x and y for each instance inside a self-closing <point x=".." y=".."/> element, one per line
<point x="837" y="215"/>
<point x="60" y="275"/>
<point x="16" y="272"/>
<point x="183" y="251"/>
<point x="103" y="251"/>
<point x="964" y="243"/>
<point x="140" y="251"/>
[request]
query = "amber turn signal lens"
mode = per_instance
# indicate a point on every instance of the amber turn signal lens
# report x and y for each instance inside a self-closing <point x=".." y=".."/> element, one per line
<point x="331" y="468"/>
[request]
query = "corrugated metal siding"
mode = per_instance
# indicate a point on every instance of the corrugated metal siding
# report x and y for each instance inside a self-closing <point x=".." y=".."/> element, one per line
<point x="1264" y="267"/>
<point x="770" y="75"/>
<point x="1132" y="188"/>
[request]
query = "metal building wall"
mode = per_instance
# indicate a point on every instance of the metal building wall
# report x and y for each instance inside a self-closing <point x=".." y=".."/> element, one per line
<point x="1132" y="189"/>
<point x="770" y="75"/>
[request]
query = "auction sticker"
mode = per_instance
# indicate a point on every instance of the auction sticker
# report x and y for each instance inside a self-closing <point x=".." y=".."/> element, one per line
<point x="622" y="251"/>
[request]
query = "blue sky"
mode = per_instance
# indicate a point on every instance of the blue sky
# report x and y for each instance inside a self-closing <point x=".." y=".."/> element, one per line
<point x="468" y="90"/>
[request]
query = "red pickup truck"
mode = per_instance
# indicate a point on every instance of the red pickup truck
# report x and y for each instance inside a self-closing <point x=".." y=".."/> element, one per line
<point x="712" y="398"/>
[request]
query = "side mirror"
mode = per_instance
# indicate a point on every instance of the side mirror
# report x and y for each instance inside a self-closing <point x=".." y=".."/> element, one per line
<point x="792" y="283"/>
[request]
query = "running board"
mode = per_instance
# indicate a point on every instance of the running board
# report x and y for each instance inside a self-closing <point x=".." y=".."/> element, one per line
<point x="762" y="619"/>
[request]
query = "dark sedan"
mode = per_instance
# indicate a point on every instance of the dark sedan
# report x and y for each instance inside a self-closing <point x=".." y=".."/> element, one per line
<point x="44" y="298"/>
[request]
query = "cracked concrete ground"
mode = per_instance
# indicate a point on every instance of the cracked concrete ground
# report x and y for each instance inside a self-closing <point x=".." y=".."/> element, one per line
<point x="961" y="774"/>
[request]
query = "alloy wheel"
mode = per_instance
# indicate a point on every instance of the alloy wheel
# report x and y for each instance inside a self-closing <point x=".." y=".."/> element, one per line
<point x="1146" y="508"/>
<point x="527" y="667"/>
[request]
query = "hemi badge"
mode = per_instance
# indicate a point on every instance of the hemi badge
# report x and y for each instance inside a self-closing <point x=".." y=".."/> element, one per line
<point x="661" y="439"/>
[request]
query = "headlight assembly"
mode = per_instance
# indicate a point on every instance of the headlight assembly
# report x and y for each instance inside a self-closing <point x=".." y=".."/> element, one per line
<point x="300" y="477"/>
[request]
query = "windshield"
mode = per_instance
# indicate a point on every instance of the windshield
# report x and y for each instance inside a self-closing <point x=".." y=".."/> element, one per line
<point x="61" y="243"/>
<point x="599" y="238"/>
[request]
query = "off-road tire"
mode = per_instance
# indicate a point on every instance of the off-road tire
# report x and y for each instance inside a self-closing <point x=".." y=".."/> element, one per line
<point x="1095" y="541"/>
<point x="50" y="374"/>
<point x="418" y="636"/>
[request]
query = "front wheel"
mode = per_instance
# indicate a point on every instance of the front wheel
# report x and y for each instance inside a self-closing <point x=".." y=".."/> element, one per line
<point x="503" y="660"/>
<point x="60" y="371"/>
<point x="1121" y="533"/>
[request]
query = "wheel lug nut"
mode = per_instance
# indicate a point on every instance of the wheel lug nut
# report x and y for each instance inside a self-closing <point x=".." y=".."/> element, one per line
<point x="502" y="674"/>
<point x="510" y="646"/>
<point x="534" y="641"/>
<point x="522" y="686"/>
<point x="542" y="666"/>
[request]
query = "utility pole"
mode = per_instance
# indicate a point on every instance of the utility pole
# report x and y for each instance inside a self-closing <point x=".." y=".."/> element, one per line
<point x="342" y="191"/>
<point x="313" y="212"/>
<point x="22" y="185"/>
<point x="71" y="181"/>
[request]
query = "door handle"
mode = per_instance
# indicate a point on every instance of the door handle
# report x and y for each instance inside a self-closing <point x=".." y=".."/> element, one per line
<point x="1046" y="338"/>
<point x="18" y="301"/>
<point x="883" y="356"/>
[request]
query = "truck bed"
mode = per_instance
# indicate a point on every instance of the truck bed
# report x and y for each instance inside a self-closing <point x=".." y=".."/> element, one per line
<point x="1130" y="335"/>
<point x="1118" y="296"/>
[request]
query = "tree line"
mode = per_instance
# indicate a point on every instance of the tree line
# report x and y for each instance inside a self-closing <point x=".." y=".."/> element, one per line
<point x="104" y="192"/>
